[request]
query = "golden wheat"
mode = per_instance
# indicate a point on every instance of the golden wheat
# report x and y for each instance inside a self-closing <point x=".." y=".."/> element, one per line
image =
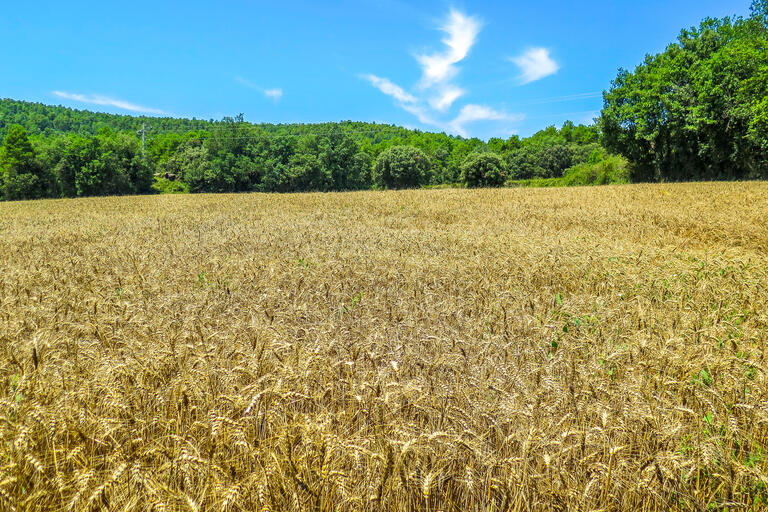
<point x="569" y="349"/>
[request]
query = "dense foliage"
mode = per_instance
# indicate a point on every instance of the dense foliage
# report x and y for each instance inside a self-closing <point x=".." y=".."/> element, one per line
<point x="600" y="170"/>
<point x="484" y="169"/>
<point x="20" y="174"/>
<point x="401" y="167"/>
<point x="699" y="110"/>
<point x="71" y="153"/>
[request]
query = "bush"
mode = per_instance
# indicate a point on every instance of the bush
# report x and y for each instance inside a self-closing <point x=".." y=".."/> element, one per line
<point x="166" y="186"/>
<point x="555" y="159"/>
<point x="484" y="169"/>
<point x="612" y="169"/>
<point x="401" y="167"/>
<point x="523" y="163"/>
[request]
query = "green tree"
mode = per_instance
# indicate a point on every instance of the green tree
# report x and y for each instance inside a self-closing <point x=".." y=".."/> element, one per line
<point x="77" y="153"/>
<point x="759" y="10"/>
<point x="232" y="166"/>
<point x="88" y="153"/>
<point x="360" y="176"/>
<point x="555" y="159"/>
<point x="483" y="169"/>
<point x="49" y="152"/>
<point x="191" y="163"/>
<point x="401" y="167"/>
<point x="698" y="109"/>
<point x="272" y="156"/>
<point x="107" y="164"/>
<point x="524" y="163"/>
<point x="129" y="171"/>
<point x="336" y="155"/>
<point x="20" y="175"/>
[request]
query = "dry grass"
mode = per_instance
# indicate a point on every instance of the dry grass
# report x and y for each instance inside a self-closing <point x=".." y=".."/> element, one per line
<point x="567" y="349"/>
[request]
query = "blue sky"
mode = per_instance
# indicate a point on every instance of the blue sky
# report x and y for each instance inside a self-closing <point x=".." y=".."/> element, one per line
<point x="481" y="68"/>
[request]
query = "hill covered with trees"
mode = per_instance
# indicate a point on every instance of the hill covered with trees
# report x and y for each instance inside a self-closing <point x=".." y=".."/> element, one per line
<point x="71" y="153"/>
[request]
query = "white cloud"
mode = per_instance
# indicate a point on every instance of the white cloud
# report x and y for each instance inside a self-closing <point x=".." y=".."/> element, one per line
<point x="462" y="31"/>
<point x="435" y="93"/>
<point x="96" y="99"/>
<point x="390" y="89"/>
<point x="445" y="98"/>
<point x="473" y="113"/>
<point x="535" y="64"/>
<point x="421" y="114"/>
<point x="247" y="83"/>
<point x="274" y="94"/>
<point x="477" y="113"/>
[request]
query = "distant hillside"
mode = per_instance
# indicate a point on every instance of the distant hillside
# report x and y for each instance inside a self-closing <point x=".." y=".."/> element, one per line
<point x="38" y="118"/>
<point x="41" y="119"/>
<point x="51" y="151"/>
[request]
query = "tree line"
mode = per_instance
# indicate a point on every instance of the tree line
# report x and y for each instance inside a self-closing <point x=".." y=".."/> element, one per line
<point x="235" y="156"/>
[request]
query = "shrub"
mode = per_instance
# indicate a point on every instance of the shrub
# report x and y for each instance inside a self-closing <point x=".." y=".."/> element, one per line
<point x="612" y="169"/>
<point x="524" y="163"/>
<point x="484" y="169"/>
<point x="401" y="167"/>
<point x="555" y="159"/>
<point x="166" y="186"/>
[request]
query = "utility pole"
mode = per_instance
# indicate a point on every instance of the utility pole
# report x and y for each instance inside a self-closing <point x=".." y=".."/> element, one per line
<point x="143" y="133"/>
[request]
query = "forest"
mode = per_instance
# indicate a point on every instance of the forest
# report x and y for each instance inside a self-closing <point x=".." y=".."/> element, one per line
<point x="696" y="111"/>
<point x="60" y="152"/>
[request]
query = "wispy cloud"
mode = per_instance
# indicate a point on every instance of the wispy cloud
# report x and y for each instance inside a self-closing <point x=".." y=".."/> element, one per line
<point x="441" y="67"/>
<point x="473" y="113"/>
<point x="96" y="99"/>
<point x="390" y="89"/>
<point x="443" y="100"/>
<point x="535" y="64"/>
<point x="422" y="114"/>
<point x="468" y="114"/>
<point x="435" y="93"/>
<point x="273" y="94"/>
<point x="246" y="83"/>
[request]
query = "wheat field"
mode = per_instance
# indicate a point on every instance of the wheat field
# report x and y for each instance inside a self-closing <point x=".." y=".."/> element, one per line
<point x="439" y="350"/>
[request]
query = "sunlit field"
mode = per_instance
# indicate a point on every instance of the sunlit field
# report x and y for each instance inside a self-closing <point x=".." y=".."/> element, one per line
<point x="513" y="349"/>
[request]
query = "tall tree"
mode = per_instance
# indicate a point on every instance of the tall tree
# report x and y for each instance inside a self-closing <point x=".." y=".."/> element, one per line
<point x="698" y="109"/>
<point x="401" y="167"/>
<point x="483" y="169"/>
<point x="20" y="175"/>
